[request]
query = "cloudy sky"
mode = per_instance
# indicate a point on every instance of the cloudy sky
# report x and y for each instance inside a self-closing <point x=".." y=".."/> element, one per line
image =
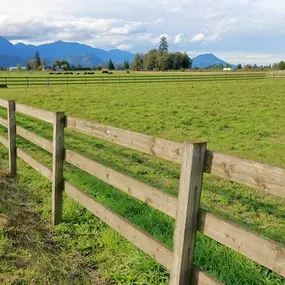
<point x="245" y="31"/>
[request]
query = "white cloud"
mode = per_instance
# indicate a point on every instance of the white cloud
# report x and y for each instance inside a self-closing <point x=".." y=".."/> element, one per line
<point x="178" y="38"/>
<point x="124" y="47"/>
<point x="238" y="25"/>
<point x="197" y="38"/>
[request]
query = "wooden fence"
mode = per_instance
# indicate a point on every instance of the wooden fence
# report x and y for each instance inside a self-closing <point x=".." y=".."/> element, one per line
<point x="276" y="75"/>
<point x="194" y="158"/>
<point x="55" y="80"/>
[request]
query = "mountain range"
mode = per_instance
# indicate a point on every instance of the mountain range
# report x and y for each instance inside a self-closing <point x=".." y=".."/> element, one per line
<point x="76" y="53"/>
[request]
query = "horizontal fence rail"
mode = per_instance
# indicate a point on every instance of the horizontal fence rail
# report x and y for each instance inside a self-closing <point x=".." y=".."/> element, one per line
<point x="113" y="79"/>
<point x="253" y="174"/>
<point x="277" y="76"/>
<point x="256" y="175"/>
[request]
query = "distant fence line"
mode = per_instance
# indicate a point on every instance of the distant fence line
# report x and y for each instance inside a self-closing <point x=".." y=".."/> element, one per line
<point x="113" y="79"/>
<point x="194" y="159"/>
<point x="276" y="75"/>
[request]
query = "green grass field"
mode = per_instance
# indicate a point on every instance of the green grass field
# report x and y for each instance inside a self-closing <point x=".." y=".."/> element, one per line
<point x="238" y="118"/>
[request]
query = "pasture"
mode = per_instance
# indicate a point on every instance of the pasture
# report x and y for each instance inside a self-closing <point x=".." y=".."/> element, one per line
<point x="238" y="118"/>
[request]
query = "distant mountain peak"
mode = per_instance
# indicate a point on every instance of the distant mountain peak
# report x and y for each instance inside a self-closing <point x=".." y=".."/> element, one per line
<point x="77" y="53"/>
<point x="206" y="60"/>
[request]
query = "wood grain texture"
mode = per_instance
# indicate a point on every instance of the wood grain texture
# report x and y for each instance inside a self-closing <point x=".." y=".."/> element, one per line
<point x="143" y="192"/>
<point x="191" y="179"/>
<point x="42" y="169"/>
<point x="4" y="141"/>
<point x="4" y="103"/>
<point x="3" y="122"/>
<point x="263" y="251"/>
<point x="268" y="178"/>
<point x="12" y="138"/>
<point x="57" y="168"/>
<point x="142" y="240"/>
<point x="42" y="115"/>
<point x="35" y="139"/>
<point x="165" y="149"/>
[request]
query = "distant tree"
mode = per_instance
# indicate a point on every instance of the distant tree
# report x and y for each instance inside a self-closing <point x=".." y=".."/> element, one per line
<point x="41" y="67"/>
<point x="19" y="67"/>
<point x="162" y="61"/>
<point x="28" y="66"/>
<point x="63" y="64"/>
<point x="150" y="59"/>
<point x="186" y="61"/>
<point x="37" y="60"/>
<point x="111" y="65"/>
<point x="228" y="65"/>
<point x="255" y="66"/>
<point x="163" y="45"/>
<point x="65" y="67"/>
<point x="239" y="66"/>
<point x="126" y="64"/>
<point x="138" y="62"/>
<point x="281" y="65"/>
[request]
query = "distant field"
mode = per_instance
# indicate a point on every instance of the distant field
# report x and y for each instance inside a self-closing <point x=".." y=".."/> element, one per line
<point x="242" y="118"/>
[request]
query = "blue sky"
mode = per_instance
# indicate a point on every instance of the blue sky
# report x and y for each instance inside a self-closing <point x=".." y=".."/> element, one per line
<point x="245" y="31"/>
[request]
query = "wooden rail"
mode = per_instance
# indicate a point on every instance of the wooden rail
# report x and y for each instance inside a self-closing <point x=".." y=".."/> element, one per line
<point x="253" y="174"/>
<point x="165" y="149"/>
<point x="195" y="160"/>
<point x="43" y="115"/>
<point x="143" y="192"/>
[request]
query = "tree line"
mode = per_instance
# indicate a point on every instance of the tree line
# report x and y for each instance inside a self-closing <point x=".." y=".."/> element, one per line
<point x="161" y="59"/>
<point x="155" y="59"/>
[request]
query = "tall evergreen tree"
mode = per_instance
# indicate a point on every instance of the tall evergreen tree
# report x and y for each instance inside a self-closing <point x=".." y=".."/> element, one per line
<point x="37" y="60"/>
<point x="163" y="45"/>
<point x="111" y="65"/>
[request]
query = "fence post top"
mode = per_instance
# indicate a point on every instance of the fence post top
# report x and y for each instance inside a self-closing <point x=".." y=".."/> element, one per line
<point x="194" y="143"/>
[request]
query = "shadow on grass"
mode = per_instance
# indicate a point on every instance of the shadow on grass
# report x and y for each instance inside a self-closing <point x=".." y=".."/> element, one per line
<point x="29" y="252"/>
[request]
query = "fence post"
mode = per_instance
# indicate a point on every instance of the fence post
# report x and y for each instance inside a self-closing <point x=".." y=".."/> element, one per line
<point x="12" y="138"/>
<point x="57" y="167"/>
<point x="191" y="179"/>
<point x="27" y="81"/>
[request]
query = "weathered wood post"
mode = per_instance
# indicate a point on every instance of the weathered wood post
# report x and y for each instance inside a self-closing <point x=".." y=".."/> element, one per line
<point x="191" y="179"/>
<point x="12" y="138"/>
<point x="57" y="167"/>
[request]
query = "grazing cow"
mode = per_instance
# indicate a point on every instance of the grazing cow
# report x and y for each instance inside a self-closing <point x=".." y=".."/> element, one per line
<point x="78" y="73"/>
<point x="51" y="73"/>
<point x="128" y="72"/>
<point x="110" y="72"/>
<point x="105" y="72"/>
<point x="3" y="86"/>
